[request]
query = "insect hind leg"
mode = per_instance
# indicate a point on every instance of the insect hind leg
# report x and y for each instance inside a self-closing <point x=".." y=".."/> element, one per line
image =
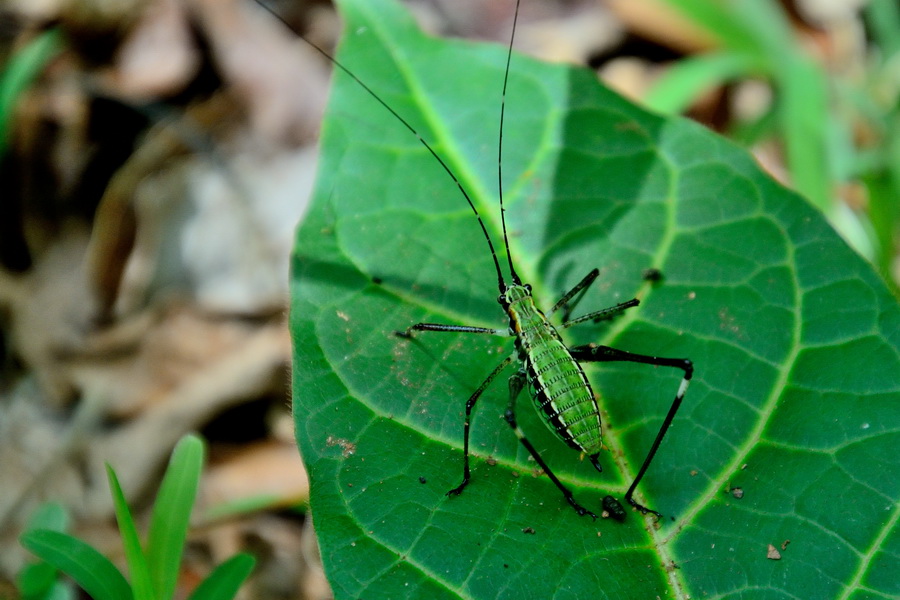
<point x="593" y="353"/>
<point x="516" y="383"/>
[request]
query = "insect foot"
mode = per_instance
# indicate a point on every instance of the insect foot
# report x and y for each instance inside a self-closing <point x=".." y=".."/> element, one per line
<point x="644" y="510"/>
<point x="458" y="489"/>
<point x="580" y="509"/>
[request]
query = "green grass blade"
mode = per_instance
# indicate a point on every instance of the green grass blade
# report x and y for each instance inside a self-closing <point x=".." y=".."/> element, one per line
<point x="756" y="28"/>
<point x="884" y="208"/>
<point x="769" y="26"/>
<point x="21" y="70"/>
<point x="721" y="21"/>
<point x="804" y="116"/>
<point x="226" y="579"/>
<point x="141" y="584"/>
<point x="691" y="77"/>
<point x="172" y="513"/>
<point x="90" y="569"/>
<point x="243" y="506"/>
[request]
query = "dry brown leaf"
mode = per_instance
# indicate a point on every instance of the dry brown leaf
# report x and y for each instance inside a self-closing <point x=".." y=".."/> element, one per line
<point x="158" y="56"/>
<point x="280" y="79"/>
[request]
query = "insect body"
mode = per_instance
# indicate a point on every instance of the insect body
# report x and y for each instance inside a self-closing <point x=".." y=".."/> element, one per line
<point x="559" y="387"/>
<point x="551" y="370"/>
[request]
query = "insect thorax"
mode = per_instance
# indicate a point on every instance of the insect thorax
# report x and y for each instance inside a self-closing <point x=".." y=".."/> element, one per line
<point x="559" y="388"/>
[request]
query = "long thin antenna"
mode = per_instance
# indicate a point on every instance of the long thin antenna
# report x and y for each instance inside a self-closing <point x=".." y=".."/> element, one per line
<point x="512" y="37"/>
<point x="501" y="283"/>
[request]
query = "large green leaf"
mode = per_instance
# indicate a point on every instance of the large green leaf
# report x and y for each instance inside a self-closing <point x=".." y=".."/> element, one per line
<point x="794" y="338"/>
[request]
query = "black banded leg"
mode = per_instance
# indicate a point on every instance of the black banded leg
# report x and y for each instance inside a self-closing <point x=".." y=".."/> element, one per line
<point x="577" y="292"/>
<point x="593" y="353"/>
<point x="604" y="314"/>
<point x="470" y="404"/>
<point x="566" y="302"/>
<point x="516" y="383"/>
<point x="407" y="333"/>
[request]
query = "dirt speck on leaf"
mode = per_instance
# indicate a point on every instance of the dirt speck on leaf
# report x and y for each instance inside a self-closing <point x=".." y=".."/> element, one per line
<point x="348" y="448"/>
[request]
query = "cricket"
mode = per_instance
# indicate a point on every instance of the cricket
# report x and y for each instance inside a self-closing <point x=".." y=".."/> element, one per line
<point x="540" y="360"/>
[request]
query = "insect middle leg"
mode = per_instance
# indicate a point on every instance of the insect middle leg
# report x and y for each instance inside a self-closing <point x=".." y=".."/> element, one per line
<point x="593" y="353"/>
<point x="516" y="383"/>
<point x="470" y="403"/>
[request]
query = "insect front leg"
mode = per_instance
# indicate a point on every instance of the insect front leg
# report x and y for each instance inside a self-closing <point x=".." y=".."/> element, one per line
<point x="407" y="333"/>
<point x="516" y="383"/>
<point x="604" y="314"/>
<point x="592" y="353"/>
<point x="568" y="304"/>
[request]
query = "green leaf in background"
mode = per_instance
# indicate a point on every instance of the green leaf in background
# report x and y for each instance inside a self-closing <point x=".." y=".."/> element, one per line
<point x="90" y="569"/>
<point x="794" y="338"/>
<point x="226" y="579"/>
<point x="172" y="514"/>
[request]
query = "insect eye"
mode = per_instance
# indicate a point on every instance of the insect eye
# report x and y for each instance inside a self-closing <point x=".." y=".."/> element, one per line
<point x="528" y="287"/>
<point x="501" y="299"/>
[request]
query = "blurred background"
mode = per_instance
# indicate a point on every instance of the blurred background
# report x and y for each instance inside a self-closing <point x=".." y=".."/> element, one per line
<point x="156" y="156"/>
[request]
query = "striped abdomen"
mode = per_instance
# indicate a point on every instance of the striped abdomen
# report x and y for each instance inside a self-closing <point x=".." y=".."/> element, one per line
<point x="560" y="389"/>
